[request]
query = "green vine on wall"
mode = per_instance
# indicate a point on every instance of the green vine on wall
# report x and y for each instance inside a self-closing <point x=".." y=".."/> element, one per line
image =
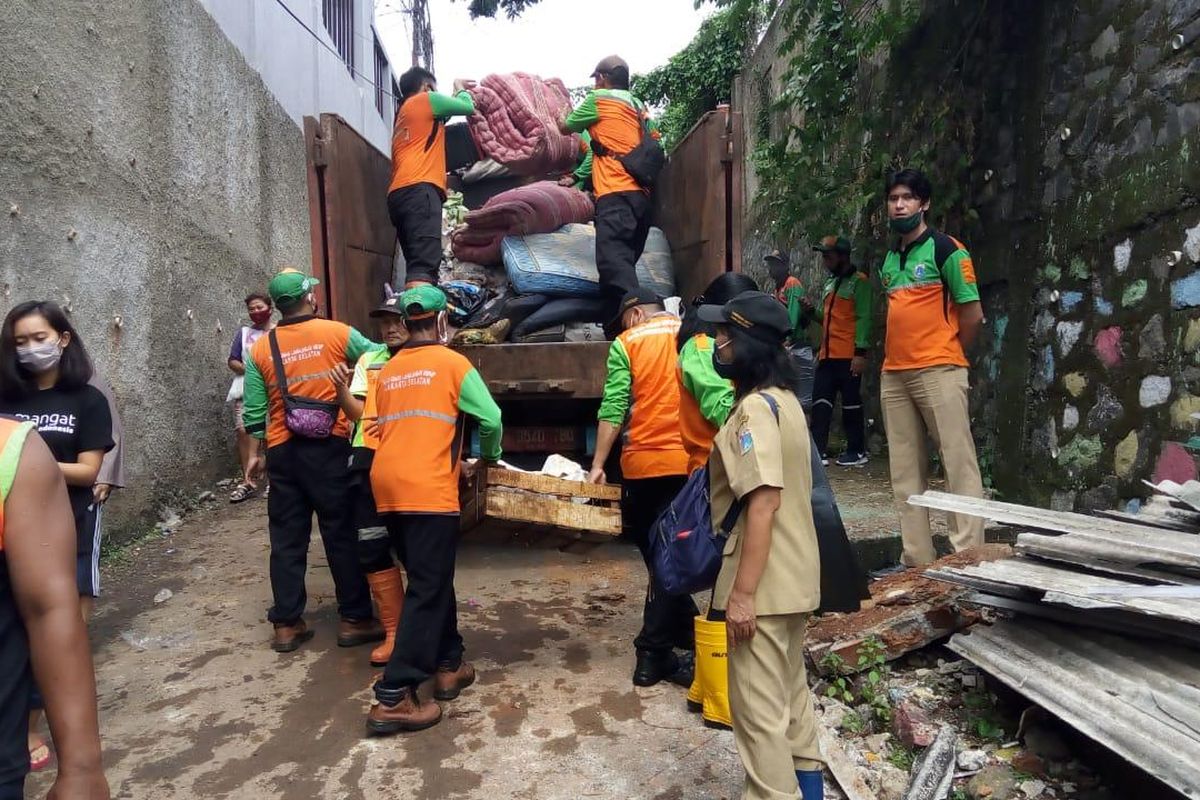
<point x="827" y="166"/>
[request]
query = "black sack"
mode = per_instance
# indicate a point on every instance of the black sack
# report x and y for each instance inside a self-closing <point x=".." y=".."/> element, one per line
<point x="843" y="580"/>
<point x="643" y="163"/>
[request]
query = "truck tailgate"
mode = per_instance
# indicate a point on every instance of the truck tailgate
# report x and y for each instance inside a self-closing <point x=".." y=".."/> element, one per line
<point x="561" y="369"/>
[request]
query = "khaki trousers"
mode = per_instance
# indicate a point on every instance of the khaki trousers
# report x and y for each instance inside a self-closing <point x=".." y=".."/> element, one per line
<point x="933" y="402"/>
<point x="773" y="721"/>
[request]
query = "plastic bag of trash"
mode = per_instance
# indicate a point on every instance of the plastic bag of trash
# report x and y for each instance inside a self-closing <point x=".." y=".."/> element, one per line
<point x="562" y="467"/>
<point x="463" y="299"/>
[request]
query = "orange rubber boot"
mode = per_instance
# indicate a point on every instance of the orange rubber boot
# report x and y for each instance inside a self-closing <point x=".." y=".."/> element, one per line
<point x="387" y="589"/>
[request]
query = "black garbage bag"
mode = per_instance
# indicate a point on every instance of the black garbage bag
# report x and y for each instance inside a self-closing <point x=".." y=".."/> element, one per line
<point x="562" y="311"/>
<point x="490" y="312"/>
<point x="463" y="299"/>
<point x="843" y="580"/>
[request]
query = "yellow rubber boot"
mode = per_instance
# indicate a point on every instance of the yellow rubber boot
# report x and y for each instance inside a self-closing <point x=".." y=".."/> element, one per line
<point x="712" y="670"/>
<point x="695" y="695"/>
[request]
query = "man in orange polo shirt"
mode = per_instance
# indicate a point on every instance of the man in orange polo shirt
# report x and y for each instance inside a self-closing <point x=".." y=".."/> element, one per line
<point x="615" y="121"/>
<point x="420" y="404"/>
<point x="934" y="315"/>
<point x="641" y="386"/>
<point x="418" y="186"/>
<point x="308" y="465"/>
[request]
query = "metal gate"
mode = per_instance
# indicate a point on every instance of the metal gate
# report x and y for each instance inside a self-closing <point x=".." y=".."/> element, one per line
<point x="698" y="201"/>
<point x="353" y="241"/>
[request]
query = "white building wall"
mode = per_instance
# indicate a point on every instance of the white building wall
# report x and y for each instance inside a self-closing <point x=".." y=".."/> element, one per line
<point x="307" y="77"/>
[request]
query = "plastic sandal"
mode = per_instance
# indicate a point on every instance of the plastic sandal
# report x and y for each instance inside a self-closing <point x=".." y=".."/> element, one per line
<point x="242" y="493"/>
<point x="39" y="757"/>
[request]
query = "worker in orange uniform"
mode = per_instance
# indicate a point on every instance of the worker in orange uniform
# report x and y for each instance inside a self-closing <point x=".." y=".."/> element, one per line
<point x="641" y="386"/>
<point x="418" y="186"/>
<point x="616" y="122"/>
<point x="420" y="406"/>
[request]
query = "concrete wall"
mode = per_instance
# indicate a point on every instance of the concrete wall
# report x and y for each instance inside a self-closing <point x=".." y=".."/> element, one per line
<point x="1067" y="162"/>
<point x="146" y="173"/>
<point x="301" y="72"/>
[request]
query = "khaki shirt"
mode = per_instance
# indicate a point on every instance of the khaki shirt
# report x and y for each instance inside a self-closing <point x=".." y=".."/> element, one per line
<point x="753" y="450"/>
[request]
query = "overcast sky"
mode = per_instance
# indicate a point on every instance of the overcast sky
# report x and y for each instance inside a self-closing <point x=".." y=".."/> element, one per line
<point x="555" y="38"/>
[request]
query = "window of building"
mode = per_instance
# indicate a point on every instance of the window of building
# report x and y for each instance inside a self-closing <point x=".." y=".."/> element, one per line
<point x="339" y="21"/>
<point x="382" y="80"/>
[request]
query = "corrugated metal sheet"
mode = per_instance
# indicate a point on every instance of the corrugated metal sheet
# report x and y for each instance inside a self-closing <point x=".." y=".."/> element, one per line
<point x="1151" y="555"/>
<point x="1186" y="493"/>
<point x="1142" y="701"/>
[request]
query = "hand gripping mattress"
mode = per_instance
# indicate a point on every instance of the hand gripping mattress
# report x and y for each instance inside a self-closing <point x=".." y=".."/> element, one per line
<point x="516" y="123"/>
<point x="537" y="208"/>
<point x="563" y="263"/>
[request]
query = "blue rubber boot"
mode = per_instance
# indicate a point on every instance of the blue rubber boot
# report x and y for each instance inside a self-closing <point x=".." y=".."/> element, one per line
<point x="812" y="784"/>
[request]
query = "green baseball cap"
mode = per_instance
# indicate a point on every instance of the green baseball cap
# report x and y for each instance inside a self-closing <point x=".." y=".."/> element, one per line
<point x="833" y="244"/>
<point x="422" y="301"/>
<point x="289" y="286"/>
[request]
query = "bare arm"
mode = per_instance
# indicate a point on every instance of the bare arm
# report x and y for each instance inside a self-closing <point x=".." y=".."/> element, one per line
<point x="238" y="367"/>
<point x="970" y="320"/>
<point x="84" y="471"/>
<point x="39" y="541"/>
<point x="756" y="547"/>
<point x="606" y="439"/>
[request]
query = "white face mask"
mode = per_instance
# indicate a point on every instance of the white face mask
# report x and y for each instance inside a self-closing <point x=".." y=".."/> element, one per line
<point x="40" y="357"/>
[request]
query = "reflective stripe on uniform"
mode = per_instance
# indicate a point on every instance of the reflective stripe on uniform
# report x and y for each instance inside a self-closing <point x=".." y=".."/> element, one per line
<point x="419" y="412"/>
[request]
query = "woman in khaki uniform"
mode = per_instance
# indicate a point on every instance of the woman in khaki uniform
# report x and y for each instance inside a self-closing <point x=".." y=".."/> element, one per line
<point x="770" y="579"/>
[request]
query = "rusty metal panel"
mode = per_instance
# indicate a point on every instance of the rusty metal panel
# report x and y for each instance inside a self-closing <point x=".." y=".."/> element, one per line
<point x="565" y="369"/>
<point x="698" y="201"/>
<point x="353" y="239"/>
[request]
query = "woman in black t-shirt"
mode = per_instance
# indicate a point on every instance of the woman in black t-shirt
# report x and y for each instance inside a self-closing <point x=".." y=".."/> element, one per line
<point x="44" y="374"/>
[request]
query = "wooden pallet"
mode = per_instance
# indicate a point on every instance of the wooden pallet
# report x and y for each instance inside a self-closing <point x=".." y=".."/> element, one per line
<point x="502" y="506"/>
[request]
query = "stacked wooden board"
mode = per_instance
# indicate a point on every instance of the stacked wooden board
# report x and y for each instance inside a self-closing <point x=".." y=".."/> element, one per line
<point x="532" y="509"/>
<point x="1103" y="624"/>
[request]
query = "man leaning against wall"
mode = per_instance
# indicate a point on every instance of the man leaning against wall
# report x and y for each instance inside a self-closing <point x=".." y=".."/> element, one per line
<point x="934" y="315"/>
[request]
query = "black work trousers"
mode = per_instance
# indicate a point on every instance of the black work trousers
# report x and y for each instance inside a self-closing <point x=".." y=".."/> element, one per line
<point x="312" y="475"/>
<point x="374" y="544"/>
<point x="416" y="211"/>
<point x="427" y="637"/>
<point x="667" y="619"/>
<point x="622" y="225"/>
<point x="833" y="377"/>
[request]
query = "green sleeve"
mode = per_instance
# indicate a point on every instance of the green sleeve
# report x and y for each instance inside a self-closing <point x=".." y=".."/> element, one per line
<point x="583" y="172"/>
<point x="254" y="401"/>
<point x="358" y="345"/>
<point x="585" y="114"/>
<point x="618" y="386"/>
<point x="864" y="302"/>
<point x="713" y="393"/>
<point x="797" y="314"/>
<point x="475" y="399"/>
<point x="959" y="274"/>
<point x="443" y="106"/>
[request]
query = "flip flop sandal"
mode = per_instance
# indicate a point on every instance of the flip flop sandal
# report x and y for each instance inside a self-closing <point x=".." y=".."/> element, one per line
<point x="242" y="493"/>
<point x="39" y="758"/>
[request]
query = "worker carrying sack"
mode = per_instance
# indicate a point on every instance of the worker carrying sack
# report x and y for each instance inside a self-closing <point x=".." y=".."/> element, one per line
<point x="303" y="416"/>
<point x="644" y="162"/>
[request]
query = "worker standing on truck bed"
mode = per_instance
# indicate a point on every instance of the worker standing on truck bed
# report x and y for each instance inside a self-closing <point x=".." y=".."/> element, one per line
<point x="616" y="122"/>
<point x="420" y="404"/>
<point x="842" y="358"/>
<point x="641" y="384"/>
<point x="934" y="315"/>
<point x="418" y="186"/>
<point x="290" y="401"/>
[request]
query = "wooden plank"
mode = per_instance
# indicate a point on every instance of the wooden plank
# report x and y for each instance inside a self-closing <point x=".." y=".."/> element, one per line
<point x="521" y="507"/>
<point x="1028" y="516"/>
<point x="548" y="484"/>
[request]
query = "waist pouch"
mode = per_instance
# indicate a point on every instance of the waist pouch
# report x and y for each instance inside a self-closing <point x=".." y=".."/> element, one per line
<point x="303" y="416"/>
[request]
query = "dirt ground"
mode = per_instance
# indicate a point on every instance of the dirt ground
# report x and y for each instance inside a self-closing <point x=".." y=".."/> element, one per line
<point x="195" y="705"/>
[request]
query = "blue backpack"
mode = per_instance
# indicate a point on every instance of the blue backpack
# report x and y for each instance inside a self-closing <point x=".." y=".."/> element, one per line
<point x="684" y="547"/>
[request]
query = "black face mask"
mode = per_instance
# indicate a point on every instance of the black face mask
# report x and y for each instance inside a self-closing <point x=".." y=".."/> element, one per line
<point x="726" y="371"/>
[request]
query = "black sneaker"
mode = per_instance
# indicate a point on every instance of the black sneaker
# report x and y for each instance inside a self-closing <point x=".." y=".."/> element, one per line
<point x="655" y="667"/>
<point x="849" y="459"/>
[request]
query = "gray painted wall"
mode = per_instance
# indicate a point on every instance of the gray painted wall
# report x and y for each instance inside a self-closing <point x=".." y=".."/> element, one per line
<point x="145" y="172"/>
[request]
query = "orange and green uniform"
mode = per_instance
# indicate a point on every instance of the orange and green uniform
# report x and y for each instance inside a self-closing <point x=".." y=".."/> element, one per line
<point x="642" y="385"/>
<point x="16" y="681"/>
<point x="705" y="399"/>
<point x="846" y="317"/>
<point x="419" y="138"/>
<point x="309" y="347"/>
<point x="583" y="170"/>
<point x="925" y="283"/>
<point x="420" y="400"/>
<point x="615" y="118"/>
<point x="366" y="375"/>
<point x="791" y="294"/>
